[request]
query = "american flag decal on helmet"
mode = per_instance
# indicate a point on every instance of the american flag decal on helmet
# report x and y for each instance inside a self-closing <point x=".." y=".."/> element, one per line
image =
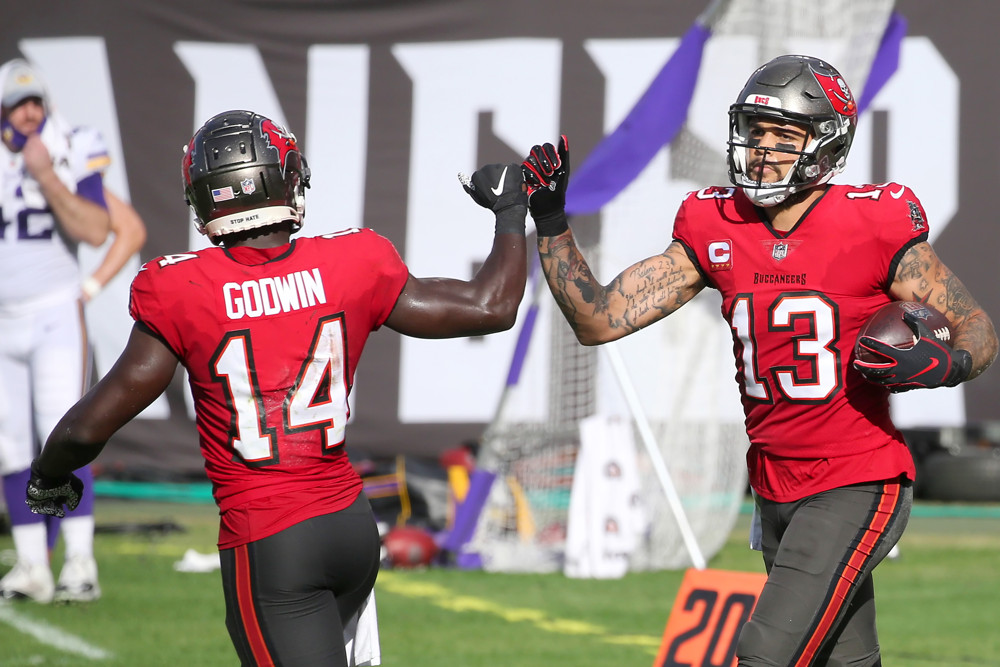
<point x="223" y="194"/>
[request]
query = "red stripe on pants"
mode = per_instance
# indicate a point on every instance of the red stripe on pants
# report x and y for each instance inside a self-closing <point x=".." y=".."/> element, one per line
<point x="849" y="576"/>
<point x="248" y="613"/>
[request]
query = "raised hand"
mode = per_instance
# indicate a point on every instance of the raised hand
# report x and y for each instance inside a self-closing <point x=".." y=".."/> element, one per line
<point x="37" y="160"/>
<point x="929" y="363"/>
<point x="500" y="188"/>
<point x="47" y="496"/>
<point x="496" y="186"/>
<point x="546" y="173"/>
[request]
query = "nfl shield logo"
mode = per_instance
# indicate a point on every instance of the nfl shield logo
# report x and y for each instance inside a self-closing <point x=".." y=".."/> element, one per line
<point x="248" y="187"/>
<point x="780" y="251"/>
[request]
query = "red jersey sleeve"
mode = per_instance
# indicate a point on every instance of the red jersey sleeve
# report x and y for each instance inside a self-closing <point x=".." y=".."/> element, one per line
<point x="682" y="221"/>
<point x="701" y="226"/>
<point x="152" y="299"/>
<point x="389" y="273"/>
<point x="899" y="221"/>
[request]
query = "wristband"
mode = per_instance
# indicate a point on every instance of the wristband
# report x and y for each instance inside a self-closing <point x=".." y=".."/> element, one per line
<point x="91" y="287"/>
<point x="551" y="224"/>
<point x="510" y="220"/>
<point x="45" y="482"/>
<point x="961" y="368"/>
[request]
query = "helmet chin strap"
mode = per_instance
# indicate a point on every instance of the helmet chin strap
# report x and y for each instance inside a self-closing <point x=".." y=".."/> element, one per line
<point x="767" y="197"/>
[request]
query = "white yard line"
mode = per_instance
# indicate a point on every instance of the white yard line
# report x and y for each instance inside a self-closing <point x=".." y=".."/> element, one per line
<point x="51" y="635"/>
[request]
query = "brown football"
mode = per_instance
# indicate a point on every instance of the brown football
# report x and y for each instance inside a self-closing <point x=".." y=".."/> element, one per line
<point x="887" y="325"/>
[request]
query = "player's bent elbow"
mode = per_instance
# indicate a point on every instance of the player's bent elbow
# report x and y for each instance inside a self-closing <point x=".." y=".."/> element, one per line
<point x="97" y="239"/>
<point x="138" y="237"/>
<point x="508" y="321"/>
<point x="590" y="339"/>
<point x="499" y="320"/>
<point x="498" y="312"/>
<point x="96" y="234"/>
<point x="589" y="335"/>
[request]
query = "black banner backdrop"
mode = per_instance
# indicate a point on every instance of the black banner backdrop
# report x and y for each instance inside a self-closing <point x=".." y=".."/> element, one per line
<point x="163" y="60"/>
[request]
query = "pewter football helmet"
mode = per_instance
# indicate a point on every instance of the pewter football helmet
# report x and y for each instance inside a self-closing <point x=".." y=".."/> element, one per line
<point x="242" y="171"/>
<point x="797" y="89"/>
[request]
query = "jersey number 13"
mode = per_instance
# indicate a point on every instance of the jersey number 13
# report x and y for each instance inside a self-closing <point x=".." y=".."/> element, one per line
<point x="809" y="312"/>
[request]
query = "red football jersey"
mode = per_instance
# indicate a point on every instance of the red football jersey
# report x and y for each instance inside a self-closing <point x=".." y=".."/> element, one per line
<point x="795" y="302"/>
<point x="270" y="340"/>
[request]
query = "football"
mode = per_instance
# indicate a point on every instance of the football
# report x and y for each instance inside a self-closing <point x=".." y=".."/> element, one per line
<point x="409" y="546"/>
<point x="887" y="325"/>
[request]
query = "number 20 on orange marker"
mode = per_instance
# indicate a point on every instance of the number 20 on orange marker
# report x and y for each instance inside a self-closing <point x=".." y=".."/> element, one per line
<point x="709" y="611"/>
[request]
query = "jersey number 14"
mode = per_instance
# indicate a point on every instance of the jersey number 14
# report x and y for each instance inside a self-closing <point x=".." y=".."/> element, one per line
<point x="317" y="400"/>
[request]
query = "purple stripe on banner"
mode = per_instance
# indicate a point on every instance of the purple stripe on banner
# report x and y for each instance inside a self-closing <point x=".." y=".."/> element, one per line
<point x="651" y="124"/>
<point x="886" y="60"/>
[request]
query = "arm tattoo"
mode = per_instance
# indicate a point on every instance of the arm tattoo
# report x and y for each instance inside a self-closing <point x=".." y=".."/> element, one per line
<point x="931" y="282"/>
<point x="640" y="295"/>
<point x="974" y="330"/>
<point x="914" y="267"/>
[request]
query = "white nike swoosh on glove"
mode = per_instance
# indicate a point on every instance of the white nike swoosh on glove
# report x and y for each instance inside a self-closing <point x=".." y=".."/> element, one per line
<point x="499" y="188"/>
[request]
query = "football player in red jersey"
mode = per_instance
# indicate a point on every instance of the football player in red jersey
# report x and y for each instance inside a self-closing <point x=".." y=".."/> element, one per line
<point x="270" y="330"/>
<point x="800" y="264"/>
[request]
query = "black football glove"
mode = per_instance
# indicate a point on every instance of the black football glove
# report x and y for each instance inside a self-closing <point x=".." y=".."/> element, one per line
<point x="46" y="495"/>
<point x="929" y="363"/>
<point x="546" y="171"/>
<point x="498" y="187"/>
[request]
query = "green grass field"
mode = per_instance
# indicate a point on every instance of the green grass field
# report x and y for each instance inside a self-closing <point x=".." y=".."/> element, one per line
<point x="939" y="604"/>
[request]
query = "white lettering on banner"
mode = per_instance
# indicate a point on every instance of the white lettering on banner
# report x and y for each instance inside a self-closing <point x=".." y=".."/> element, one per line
<point x="270" y="296"/>
<point x="450" y="91"/>
<point x="337" y="136"/>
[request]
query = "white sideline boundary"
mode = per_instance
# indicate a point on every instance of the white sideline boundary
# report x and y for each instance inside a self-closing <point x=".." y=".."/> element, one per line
<point x="51" y="635"/>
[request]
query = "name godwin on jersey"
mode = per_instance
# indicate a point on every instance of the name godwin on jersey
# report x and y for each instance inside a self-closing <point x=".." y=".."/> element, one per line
<point x="270" y="296"/>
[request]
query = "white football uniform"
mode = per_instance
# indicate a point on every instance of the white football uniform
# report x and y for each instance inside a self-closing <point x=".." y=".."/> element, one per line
<point x="43" y="343"/>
